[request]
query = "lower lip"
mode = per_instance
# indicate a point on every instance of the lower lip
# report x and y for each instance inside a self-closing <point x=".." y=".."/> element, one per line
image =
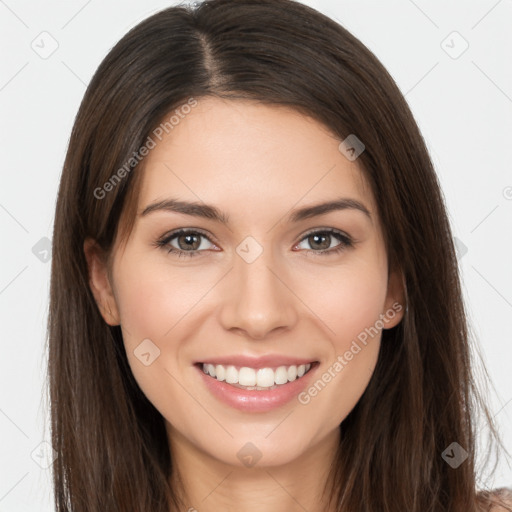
<point x="253" y="400"/>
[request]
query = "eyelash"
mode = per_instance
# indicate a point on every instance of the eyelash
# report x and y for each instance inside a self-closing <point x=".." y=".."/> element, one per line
<point x="345" y="242"/>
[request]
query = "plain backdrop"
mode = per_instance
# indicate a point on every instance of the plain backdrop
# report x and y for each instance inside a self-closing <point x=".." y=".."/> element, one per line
<point x="452" y="61"/>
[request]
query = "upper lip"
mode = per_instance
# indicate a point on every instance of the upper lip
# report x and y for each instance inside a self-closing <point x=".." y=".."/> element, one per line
<point x="266" y="361"/>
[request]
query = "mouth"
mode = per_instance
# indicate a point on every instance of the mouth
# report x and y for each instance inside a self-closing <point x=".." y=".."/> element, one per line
<point x="256" y="379"/>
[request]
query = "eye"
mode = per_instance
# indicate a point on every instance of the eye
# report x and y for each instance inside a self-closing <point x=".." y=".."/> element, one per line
<point x="186" y="243"/>
<point x="190" y="243"/>
<point x="321" y="241"/>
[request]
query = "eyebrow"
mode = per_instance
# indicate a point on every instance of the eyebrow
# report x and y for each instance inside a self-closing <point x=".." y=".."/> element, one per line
<point x="207" y="211"/>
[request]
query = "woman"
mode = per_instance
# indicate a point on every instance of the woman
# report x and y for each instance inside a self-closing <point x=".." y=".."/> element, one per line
<point x="255" y="300"/>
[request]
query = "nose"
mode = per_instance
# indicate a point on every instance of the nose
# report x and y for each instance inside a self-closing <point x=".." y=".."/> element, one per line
<point x="257" y="299"/>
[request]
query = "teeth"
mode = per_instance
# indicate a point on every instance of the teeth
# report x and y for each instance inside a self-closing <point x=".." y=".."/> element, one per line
<point x="262" y="378"/>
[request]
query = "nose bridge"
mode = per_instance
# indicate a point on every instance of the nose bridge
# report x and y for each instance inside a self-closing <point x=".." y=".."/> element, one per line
<point x="256" y="299"/>
<point x="255" y="279"/>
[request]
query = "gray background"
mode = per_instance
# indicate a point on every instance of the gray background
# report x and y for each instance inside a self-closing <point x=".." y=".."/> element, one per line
<point x="461" y="98"/>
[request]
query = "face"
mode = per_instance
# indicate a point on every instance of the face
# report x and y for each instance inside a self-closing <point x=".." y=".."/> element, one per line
<point x="249" y="279"/>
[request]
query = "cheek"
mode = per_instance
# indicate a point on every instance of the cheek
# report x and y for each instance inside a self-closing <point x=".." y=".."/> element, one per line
<point x="158" y="311"/>
<point x="152" y="300"/>
<point x="351" y="304"/>
<point x="349" y="301"/>
<point x="153" y="309"/>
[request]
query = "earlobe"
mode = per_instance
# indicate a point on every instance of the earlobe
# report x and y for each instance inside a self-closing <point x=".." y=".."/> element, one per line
<point x="99" y="282"/>
<point x="395" y="303"/>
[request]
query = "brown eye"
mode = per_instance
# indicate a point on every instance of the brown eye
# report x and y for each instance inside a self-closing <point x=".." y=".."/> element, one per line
<point x="321" y="242"/>
<point x="189" y="242"/>
<point x="185" y="243"/>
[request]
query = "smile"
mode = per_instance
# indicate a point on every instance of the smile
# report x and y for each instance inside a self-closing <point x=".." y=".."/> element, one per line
<point x="260" y="379"/>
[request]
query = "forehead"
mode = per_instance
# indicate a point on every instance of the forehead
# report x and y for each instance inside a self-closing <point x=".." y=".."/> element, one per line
<point x="244" y="153"/>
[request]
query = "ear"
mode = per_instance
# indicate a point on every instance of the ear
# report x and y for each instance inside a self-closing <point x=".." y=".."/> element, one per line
<point x="99" y="282"/>
<point x="395" y="304"/>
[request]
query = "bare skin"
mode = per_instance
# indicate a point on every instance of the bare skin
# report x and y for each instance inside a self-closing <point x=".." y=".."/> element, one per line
<point x="256" y="164"/>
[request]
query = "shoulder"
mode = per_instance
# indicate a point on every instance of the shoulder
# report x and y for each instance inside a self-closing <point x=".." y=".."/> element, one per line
<point x="497" y="500"/>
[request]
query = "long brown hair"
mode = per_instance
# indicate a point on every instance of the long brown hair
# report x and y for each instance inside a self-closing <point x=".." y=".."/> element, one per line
<point x="111" y="442"/>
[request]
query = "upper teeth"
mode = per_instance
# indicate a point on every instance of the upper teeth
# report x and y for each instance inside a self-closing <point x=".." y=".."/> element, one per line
<point x="261" y="377"/>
